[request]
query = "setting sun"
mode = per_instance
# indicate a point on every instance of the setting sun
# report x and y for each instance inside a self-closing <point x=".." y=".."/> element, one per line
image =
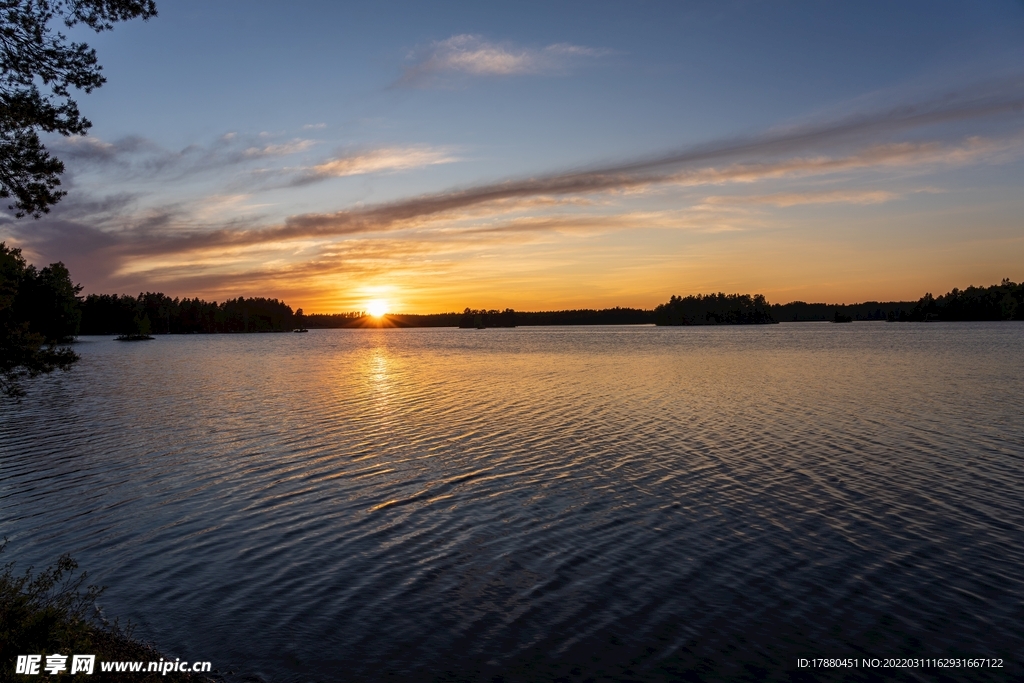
<point x="377" y="308"/>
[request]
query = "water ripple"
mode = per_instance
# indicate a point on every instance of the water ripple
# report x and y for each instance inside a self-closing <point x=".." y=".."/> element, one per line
<point x="539" y="504"/>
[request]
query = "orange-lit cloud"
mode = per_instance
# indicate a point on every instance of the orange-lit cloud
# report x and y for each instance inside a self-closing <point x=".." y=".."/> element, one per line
<point x="529" y="231"/>
<point x="419" y="211"/>
<point x="376" y="161"/>
<point x="785" y="199"/>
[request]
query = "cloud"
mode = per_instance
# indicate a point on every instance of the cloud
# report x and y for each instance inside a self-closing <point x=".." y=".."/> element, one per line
<point x="472" y="55"/>
<point x="220" y="206"/>
<point x="90" y="149"/>
<point x="787" y="199"/>
<point x="139" y="157"/>
<point x="407" y="213"/>
<point x="387" y="159"/>
<point x="278" y="150"/>
<point x="780" y="154"/>
<point x="156" y="241"/>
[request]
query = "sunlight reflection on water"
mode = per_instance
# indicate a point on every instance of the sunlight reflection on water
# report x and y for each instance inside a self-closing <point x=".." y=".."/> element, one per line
<point x="611" y="503"/>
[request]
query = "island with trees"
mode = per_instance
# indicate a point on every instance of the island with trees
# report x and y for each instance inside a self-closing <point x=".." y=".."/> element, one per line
<point x="715" y="309"/>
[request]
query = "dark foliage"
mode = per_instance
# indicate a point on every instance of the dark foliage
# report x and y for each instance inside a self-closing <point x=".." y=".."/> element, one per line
<point x="714" y="309"/>
<point x="800" y="311"/>
<point x="1004" y="301"/>
<point x="127" y="315"/>
<point x="489" y="318"/>
<point x="330" y="321"/>
<point x="492" y="318"/>
<point x="52" y="612"/>
<point x="47" y="612"/>
<point x="33" y="54"/>
<point x="49" y="301"/>
<point x="38" y="313"/>
<point x="588" y="316"/>
<point x="841" y="318"/>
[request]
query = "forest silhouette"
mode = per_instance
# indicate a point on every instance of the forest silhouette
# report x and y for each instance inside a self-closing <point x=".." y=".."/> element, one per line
<point x="124" y="314"/>
<point x="42" y="312"/>
<point x="39" y="316"/>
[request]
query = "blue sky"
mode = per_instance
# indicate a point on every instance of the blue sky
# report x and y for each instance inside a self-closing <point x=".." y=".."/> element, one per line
<point x="442" y="155"/>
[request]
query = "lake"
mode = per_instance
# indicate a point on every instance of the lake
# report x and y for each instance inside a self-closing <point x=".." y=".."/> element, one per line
<point x="533" y="504"/>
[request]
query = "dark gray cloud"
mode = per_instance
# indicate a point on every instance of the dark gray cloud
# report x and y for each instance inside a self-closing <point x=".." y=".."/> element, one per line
<point x="91" y="150"/>
<point x="140" y="158"/>
<point x="136" y="158"/>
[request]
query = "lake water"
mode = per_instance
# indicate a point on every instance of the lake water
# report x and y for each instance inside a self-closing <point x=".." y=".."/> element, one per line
<point x="537" y="504"/>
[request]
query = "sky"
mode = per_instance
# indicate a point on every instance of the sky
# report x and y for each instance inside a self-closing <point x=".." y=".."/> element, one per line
<point x="545" y="155"/>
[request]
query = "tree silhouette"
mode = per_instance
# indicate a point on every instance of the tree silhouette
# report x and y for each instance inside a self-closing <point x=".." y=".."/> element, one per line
<point x="32" y="53"/>
<point x="38" y="312"/>
<point x="714" y="309"/>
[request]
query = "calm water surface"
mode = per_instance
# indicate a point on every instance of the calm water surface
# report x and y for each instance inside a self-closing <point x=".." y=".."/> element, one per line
<point x="536" y="504"/>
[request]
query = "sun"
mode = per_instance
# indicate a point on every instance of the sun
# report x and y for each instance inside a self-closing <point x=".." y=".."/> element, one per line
<point x="377" y="308"/>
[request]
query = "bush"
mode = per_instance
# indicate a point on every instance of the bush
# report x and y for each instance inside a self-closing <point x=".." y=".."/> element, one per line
<point x="53" y="612"/>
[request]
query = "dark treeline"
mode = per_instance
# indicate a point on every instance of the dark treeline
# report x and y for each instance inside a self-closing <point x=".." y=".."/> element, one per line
<point x="361" y="319"/>
<point x="588" y="316"/>
<point x="715" y="309"/>
<point x="481" y="318"/>
<point x="41" y="312"/>
<point x="1004" y="301"/>
<point x="331" y="321"/>
<point x="156" y="313"/>
<point x="471" y="318"/>
<point x="869" y="310"/>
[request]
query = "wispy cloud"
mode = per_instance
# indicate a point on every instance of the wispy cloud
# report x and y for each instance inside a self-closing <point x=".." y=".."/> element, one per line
<point x="632" y="176"/>
<point x="143" y="158"/>
<point x="171" y="233"/>
<point x="472" y="55"/>
<point x="265" y="164"/>
<point x="787" y="199"/>
<point x="88" y="148"/>
<point x="223" y="237"/>
<point x="278" y="150"/>
<point x="913" y="157"/>
<point x="387" y="159"/>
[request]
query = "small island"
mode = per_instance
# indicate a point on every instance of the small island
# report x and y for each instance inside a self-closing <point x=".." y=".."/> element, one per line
<point x="715" y="309"/>
<point x="842" y="318"/>
<point x="138" y="330"/>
